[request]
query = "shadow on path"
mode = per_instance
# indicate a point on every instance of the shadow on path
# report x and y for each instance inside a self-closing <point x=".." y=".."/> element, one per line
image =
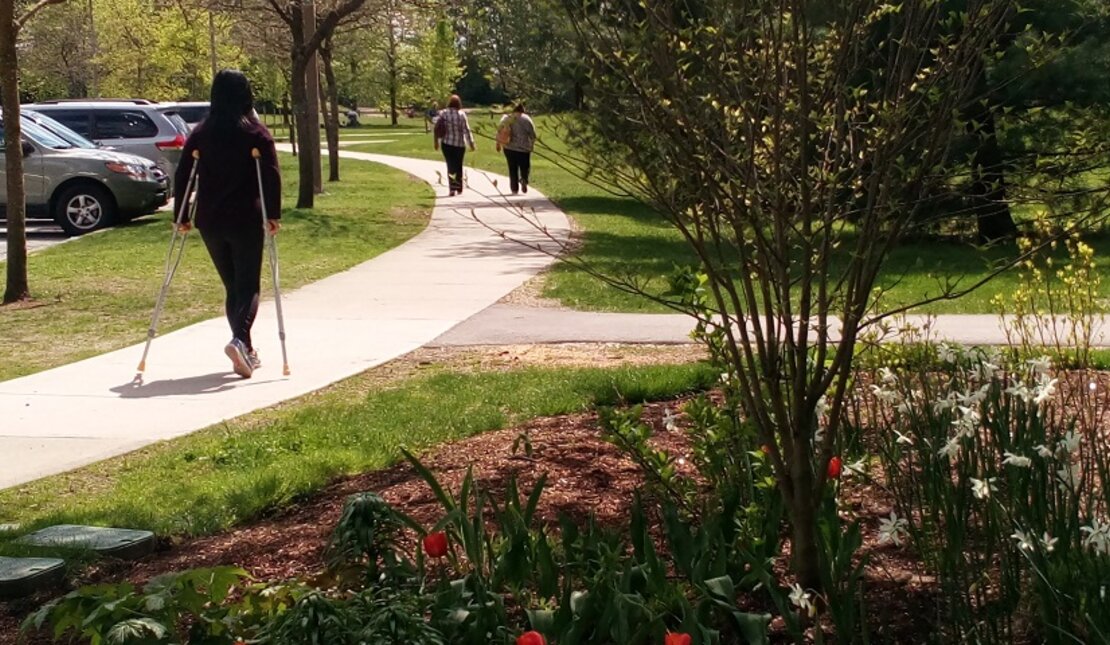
<point x="206" y="384"/>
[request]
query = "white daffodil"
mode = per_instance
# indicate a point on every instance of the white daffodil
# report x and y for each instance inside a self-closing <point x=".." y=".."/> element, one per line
<point x="858" y="467"/>
<point x="950" y="449"/>
<point x="973" y="399"/>
<point x="1040" y="365"/>
<point x="802" y="599"/>
<point x="892" y="529"/>
<point x="889" y="397"/>
<point x="669" y="420"/>
<point x="988" y="370"/>
<point x="887" y="376"/>
<point x="1070" y="443"/>
<point x="903" y="439"/>
<point x="1025" y="541"/>
<point x="1044" y="391"/>
<point x="1048" y="542"/>
<point x="1020" y="391"/>
<point x="982" y="488"/>
<point x="1068" y="476"/>
<point x="822" y="406"/>
<point x="948" y="353"/>
<point x="1044" y="451"/>
<point x="947" y="403"/>
<point x="1098" y="536"/>
<point x="1016" y="460"/>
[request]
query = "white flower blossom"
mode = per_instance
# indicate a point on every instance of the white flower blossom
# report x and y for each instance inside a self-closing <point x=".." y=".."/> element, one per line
<point x="948" y="353"/>
<point x="858" y="467"/>
<point x="1068" y="476"/>
<point x="887" y="376"/>
<point x="1044" y="451"/>
<point x="967" y="420"/>
<point x="950" y="449"/>
<point x="1040" y="365"/>
<point x="1020" y="391"/>
<point x="973" y="399"/>
<point x="1044" y="391"/>
<point x="892" y="529"/>
<point x="903" y="439"/>
<point x="1098" y="536"/>
<point x="822" y="406"/>
<point x="889" y="397"/>
<point x="947" y="403"/>
<point x="1070" y="443"/>
<point x="1016" y="460"/>
<point x="1025" y="541"/>
<point x="801" y="599"/>
<point x="982" y="488"/>
<point x="669" y="419"/>
<point x="988" y="370"/>
<point x="1048" y="542"/>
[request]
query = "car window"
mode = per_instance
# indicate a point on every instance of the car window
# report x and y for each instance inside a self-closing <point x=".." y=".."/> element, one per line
<point x="42" y="136"/>
<point x="179" y="123"/>
<point x="62" y="131"/>
<point x="123" y="124"/>
<point x="193" y="114"/>
<point x="76" y="120"/>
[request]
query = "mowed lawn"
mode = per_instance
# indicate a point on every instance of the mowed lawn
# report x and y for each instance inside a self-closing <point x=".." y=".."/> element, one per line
<point x="622" y="237"/>
<point x="96" y="294"/>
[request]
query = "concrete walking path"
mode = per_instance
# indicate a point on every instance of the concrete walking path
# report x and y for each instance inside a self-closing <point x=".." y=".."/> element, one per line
<point x="81" y="413"/>
<point x="505" y="324"/>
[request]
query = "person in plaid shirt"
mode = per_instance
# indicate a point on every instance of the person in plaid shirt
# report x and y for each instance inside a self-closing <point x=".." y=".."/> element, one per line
<point x="453" y="133"/>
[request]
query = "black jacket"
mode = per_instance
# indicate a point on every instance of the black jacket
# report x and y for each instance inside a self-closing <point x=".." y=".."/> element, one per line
<point x="227" y="190"/>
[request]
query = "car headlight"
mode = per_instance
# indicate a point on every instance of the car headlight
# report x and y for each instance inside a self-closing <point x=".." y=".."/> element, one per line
<point x="131" y="170"/>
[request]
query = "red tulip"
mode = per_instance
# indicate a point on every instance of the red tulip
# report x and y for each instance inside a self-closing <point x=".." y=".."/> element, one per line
<point x="677" y="638"/>
<point x="531" y="638"/>
<point x="835" y="466"/>
<point x="435" y="544"/>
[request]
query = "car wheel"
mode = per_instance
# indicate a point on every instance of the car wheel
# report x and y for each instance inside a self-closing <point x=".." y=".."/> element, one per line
<point x="84" y="208"/>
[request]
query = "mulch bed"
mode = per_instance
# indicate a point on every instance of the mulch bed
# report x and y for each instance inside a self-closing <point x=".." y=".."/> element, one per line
<point x="585" y="476"/>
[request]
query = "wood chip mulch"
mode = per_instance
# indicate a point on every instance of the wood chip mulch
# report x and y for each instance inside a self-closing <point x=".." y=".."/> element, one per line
<point x="585" y="475"/>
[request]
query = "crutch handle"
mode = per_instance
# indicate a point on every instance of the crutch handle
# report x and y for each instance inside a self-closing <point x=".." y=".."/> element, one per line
<point x="196" y="153"/>
<point x="256" y="153"/>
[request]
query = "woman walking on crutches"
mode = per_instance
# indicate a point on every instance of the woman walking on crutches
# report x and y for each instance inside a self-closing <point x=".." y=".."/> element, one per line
<point x="229" y="208"/>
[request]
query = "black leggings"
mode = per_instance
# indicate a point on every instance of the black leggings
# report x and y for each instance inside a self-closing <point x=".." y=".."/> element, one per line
<point x="520" y="164"/>
<point x="237" y="255"/>
<point x="454" y="157"/>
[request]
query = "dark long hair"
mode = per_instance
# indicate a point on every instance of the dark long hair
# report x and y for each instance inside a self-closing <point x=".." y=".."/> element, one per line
<point x="232" y="102"/>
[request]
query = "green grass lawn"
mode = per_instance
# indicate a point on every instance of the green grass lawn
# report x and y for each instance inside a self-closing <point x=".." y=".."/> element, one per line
<point x="215" y="478"/>
<point x="96" y="293"/>
<point x="623" y="237"/>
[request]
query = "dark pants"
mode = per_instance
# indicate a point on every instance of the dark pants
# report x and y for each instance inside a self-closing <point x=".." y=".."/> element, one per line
<point x="454" y="157"/>
<point x="237" y="255"/>
<point x="520" y="164"/>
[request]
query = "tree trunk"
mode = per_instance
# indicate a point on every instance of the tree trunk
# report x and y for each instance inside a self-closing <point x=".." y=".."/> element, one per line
<point x="16" y="287"/>
<point x="298" y="88"/>
<point x="988" y="179"/>
<point x="331" y="121"/>
<point x="391" y="66"/>
<point x="804" y="555"/>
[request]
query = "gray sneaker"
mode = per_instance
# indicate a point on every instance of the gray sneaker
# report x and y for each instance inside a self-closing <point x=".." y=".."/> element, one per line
<point x="255" y="361"/>
<point x="240" y="358"/>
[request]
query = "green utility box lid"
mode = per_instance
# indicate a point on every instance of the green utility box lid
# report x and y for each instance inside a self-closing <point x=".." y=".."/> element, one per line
<point x="24" y="576"/>
<point x="127" y="544"/>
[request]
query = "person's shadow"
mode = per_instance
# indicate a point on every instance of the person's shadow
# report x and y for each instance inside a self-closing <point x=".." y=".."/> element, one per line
<point x="206" y="384"/>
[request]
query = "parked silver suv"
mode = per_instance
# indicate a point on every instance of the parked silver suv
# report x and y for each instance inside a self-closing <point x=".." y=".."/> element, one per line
<point x="138" y="126"/>
<point x="81" y="188"/>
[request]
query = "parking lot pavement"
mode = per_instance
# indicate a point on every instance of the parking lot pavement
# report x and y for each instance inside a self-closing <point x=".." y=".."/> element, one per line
<point x="39" y="236"/>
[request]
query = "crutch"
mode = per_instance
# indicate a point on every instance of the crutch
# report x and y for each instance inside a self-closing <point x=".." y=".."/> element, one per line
<point x="173" y="257"/>
<point x="272" y="246"/>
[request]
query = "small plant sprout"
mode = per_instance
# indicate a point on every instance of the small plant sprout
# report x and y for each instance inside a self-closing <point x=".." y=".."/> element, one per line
<point x="1016" y="460"/>
<point x="892" y="529"/>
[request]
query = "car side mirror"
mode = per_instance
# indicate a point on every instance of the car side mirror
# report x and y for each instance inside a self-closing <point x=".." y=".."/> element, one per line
<point x="27" y="148"/>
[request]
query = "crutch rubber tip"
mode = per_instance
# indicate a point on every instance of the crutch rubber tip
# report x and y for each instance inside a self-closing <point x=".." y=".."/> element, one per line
<point x="142" y="367"/>
<point x="255" y="153"/>
<point x="285" y="371"/>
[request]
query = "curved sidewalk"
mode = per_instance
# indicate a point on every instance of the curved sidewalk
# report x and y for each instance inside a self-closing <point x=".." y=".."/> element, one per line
<point x="78" y="414"/>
